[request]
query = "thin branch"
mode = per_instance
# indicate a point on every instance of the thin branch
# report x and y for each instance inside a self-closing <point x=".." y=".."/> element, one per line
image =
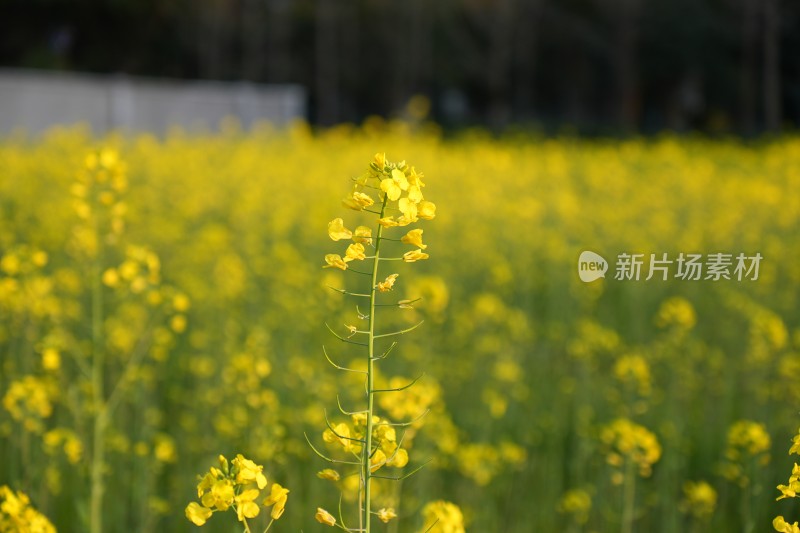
<point x="406" y="424"/>
<point x="404" y="387"/>
<point x="397" y="448"/>
<point x="328" y="423"/>
<point x="348" y="293"/>
<point x="405" y="476"/>
<point x="343" y="339"/>
<point x="340" y="367"/>
<point x="326" y="458"/>
<point x="431" y="528"/>
<point x="385" y="354"/>
<point x="398" y="304"/>
<point x="348" y="413"/>
<point x="400" y="332"/>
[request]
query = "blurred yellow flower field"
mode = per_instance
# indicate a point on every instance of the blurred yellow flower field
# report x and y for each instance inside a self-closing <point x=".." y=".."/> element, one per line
<point x="163" y="302"/>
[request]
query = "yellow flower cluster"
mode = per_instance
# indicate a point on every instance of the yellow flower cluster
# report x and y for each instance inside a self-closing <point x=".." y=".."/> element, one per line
<point x="781" y="525"/>
<point x="66" y="440"/>
<point x="699" y="499"/>
<point x="97" y="192"/>
<point x="140" y="270"/>
<point x="384" y="438"/>
<point x="633" y="369"/>
<point x="790" y="490"/>
<point x="236" y="486"/>
<point x="18" y="516"/>
<point x="628" y="441"/>
<point x="252" y="331"/>
<point x="23" y="288"/>
<point x="676" y="312"/>
<point x="442" y="517"/>
<point x="30" y="400"/>
<point x="747" y="442"/>
<point x="576" y="503"/>
<point x="399" y="189"/>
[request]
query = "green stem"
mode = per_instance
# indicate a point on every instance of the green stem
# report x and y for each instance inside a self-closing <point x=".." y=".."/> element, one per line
<point x="629" y="496"/>
<point x="367" y="512"/>
<point x="748" y="524"/>
<point x="99" y="407"/>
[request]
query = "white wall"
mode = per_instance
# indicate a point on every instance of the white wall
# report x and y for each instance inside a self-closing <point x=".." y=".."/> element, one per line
<point x="35" y="100"/>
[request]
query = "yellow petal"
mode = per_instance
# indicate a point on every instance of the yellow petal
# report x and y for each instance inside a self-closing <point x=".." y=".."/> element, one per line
<point x="337" y="231"/>
<point x="414" y="255"/>
<point x="414" y="237"/>
<point x="335" y="261"/>
<point x="197" y="513"/>
<point x="363" y="234"/>
<point x="427" y="210"/>
<point x="324" y="517"/>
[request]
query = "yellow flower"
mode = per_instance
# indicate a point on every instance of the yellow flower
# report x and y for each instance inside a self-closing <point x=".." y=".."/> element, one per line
<point x="380" y="160"/>
<point x="51" y="359"/>
<point x="377" y="460"/>
<point x="249" y="472"/>
<point x="324" y="517"/>
<point x="414" y="255"/>
<point x="357" y="201"/>
<point x="111" y="277"/>
<point x="793" y="488"/>
<point x="394" y="186"/>
<point x="278" y="497"/>
<point x="414" y="237"/>
<point x="783" y="526"/>
<point x="355" y="251"/>
<point x="400" y="459"/>
<point x="181" y="302"/>
<point x="197" y="513"/>
<point x="700" y="499"/>
<point x="329" y="474"/>
<point x="633" y="442"/>
<point x="178" y="323"/>
<point x="337" y="231"/>
<point x="427" y="210"/>
<point x="443" y="517"/>
<point x="747" y="437"/>
<point x="220" y="496"/>
<point x="788" y="491"/>
<point x="206" y="482"/>
<point x="335" y="261"/>
<point x="409" y="210"/>
<point x="17" y="513"/>
<point x="363" y="235"/>
<point x="340" y="434"/>
<point x="387" y="284"/>
<point x="385" y="515"/>
<point x="415" y="179"/>
<point x="414" y="194"/>
<point x="577" y="503"/>
<point x="245" y="506"/>
<point x="388" y="222"/>
<point x="795" y="445"/>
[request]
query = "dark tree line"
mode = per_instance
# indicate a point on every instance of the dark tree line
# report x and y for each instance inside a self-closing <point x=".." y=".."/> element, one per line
<point x="601" y="65"/>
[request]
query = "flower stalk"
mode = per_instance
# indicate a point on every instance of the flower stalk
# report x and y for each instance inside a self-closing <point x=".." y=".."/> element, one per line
<point x="372" y="441"/>
<point x="365" y="460"/>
